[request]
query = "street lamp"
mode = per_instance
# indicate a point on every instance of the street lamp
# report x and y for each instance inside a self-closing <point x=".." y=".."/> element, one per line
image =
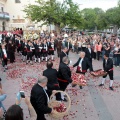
<point x="3" y="23"/>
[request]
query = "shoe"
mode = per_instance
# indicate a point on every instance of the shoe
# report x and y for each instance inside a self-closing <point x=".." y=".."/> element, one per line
<point x="65" y="100"/>
<point x="65" y="95"/>
<point x="101" y="85"/>
<point x="73" y="85"/>
<point x="6" y="68"/>
<point x="111" y="88"/>
<point x="81" y="87"/>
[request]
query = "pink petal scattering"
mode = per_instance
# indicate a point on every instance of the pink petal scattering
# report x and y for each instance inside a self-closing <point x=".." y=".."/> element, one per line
<point x="27" y="84"/>
<point x="17" y="73"/>
<point x="27" y="75"/>
<point x="78" y="79"/>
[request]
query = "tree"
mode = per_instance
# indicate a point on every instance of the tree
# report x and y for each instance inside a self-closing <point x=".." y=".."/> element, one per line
<point x="54" y="12"/>
<point x="94" y="18"/>
<point x="89" y="17"/>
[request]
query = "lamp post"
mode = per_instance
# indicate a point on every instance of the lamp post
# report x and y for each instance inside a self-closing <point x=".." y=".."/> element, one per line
<point x="3" y="23"/>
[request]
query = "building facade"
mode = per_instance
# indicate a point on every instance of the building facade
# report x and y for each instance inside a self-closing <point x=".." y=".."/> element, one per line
<point x="4" y="16"/>
<point x="17" y="15"/>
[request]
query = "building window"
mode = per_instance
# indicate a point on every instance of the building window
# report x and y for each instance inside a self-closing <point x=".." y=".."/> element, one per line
<point x="17" y="1"/>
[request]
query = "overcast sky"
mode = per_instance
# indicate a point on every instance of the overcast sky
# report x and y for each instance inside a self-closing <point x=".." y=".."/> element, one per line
<point x="104" y="4"/>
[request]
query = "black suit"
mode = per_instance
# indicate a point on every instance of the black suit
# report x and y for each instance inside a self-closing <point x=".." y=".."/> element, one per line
<point x="38" y="100"/>
<point x="85" y="65"/>
<point x="52" y="84"/>
<point x="51" y="74"/>
<point x="64" y="76"/>
<point x="89" y="54"/>
<point x="108" y="67"/>
<point x="62" y="55"/>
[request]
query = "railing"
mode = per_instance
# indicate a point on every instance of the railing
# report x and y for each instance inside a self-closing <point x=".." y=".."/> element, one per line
<point x="4" y="15"/>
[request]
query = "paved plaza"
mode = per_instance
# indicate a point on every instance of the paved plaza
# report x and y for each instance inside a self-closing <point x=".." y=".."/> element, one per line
<point x="90" y="103"/>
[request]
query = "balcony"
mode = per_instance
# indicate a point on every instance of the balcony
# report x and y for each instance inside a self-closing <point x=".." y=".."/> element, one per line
<point x="3" y="1"/>
<point x="4" y="15"/>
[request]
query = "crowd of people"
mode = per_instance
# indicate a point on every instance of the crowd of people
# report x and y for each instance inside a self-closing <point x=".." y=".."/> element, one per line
<point x="39" y="47"/>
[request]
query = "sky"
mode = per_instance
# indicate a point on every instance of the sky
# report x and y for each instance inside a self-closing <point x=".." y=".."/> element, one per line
<point x="104" y="4"/>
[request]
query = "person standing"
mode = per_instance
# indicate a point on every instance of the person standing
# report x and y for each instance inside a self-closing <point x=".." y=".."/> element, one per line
<point x="58" y="45"/>
<point x="108" y="67"/>
<point x="64" y="75"/>
<point x="39" y="98"/>
<point x="45" y="51"/>
<point x="83" y="64"/>
<point x="89" y="53"/>
<point x="30" y="48"/>
<point x="63" y="53"/>
<point x="11" y="49"/>
<point x="2" y="98"/>
<point x="99" y="48"/>
<point x="51" y="74"/>
<point x="4" y="58"/>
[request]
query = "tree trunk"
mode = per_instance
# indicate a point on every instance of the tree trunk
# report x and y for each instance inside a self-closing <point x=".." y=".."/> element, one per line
<point x="57" y="28"/>
<point x="115" y="29"/>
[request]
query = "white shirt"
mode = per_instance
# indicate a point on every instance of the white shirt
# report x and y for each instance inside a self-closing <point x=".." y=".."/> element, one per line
<point x="80" y="64"/>
<point x="89" y="50"/>
<point x="45" y="46"/>
<point x="46" y="95"/>
<point x="4" y="52"/>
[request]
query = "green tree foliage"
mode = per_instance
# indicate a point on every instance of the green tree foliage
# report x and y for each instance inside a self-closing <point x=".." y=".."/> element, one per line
<point x="54" y="12"/>
<point x="94" y="18"/>
<point x="69" y="14"/>
<point x="113" y="16"/>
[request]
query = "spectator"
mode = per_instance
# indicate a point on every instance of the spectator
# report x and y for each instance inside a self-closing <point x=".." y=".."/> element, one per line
<point x="99" y="48"/>
<point x="18" y="112"/>
<point x="2" y="98"/>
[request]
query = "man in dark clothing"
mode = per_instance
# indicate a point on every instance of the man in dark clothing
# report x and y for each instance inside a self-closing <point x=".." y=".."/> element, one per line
<point x="64" y="74"/>
<point x="63" y="53"/>
<point x="89" y="53"/>
<point x="51" y="74"/>
<point x="108" y="67"/>
<point x="39" y="98"/>
<point x="83" y="64"/>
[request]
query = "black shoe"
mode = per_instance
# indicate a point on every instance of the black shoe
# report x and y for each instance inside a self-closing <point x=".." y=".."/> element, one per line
<point x="111" y="88"/>
<point x="65" y="100"/>
<point x="73" y="85"/>
<point x="65" y="95"/>
<point x="81" y="87"/>
<point x="101" y="85"/>
<point x="6" y="68"/>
